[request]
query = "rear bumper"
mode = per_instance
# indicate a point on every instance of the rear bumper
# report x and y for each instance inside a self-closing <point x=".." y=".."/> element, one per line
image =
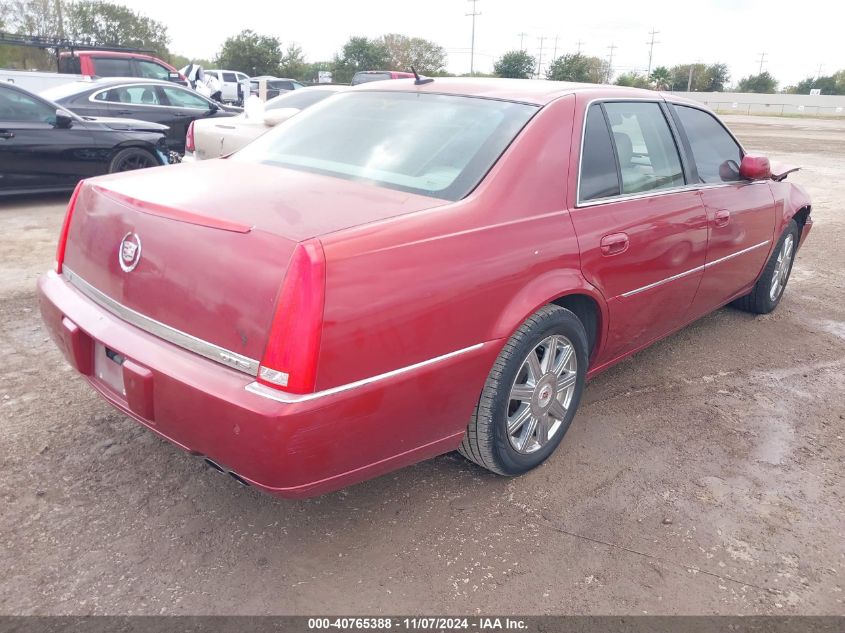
<point x="290" y="449"/>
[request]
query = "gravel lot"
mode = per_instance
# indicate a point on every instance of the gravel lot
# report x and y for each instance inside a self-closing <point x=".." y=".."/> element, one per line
<point x="704" y="475"/>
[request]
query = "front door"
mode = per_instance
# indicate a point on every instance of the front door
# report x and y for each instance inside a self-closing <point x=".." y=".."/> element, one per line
<point x="741" y="214"/>
<point x="641" y="231"/>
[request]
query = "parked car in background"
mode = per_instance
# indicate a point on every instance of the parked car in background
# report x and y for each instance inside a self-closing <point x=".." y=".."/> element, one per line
<point x="148" y="100"/>
<point x="44" y="147"/>
<point x="212" y="138"/>
<point x="118" y="64"/>
<point x="230" y="81"/>
<point x="365" y="76"/>
<point x="449" y="262"/>
<point x="275" y="85"/>
<point x="80" y="65"/>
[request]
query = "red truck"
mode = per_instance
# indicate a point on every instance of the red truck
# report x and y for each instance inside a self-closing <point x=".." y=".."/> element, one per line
<point x="117" y="64"/>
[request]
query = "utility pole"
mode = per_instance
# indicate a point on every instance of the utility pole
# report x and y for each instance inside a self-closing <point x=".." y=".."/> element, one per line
<point x="521" y="39"/>
<point x="472" y="47"/>
<point x="689" y="81"/>
<point x="579" y="42"/>
<point x="651" y="50"/>
<point x="762" y="59"/>
<point x="612" y="48"/>
<point x="540" y="57"/>
<point x="554" y="54"/>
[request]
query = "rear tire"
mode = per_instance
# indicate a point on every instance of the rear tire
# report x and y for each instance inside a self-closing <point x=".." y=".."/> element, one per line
<point x="531" y="394"/>
<point x="130" y="159"/>
<point x="768" y="290"/>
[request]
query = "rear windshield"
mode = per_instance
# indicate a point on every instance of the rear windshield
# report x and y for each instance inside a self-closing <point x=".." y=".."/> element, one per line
<point x="435" y="145"/>
<point x="362" y="78"/>
<point x="298" y="99"/>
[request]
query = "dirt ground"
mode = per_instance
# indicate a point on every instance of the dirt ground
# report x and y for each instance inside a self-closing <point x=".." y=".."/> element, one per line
<point x="704" y="475"/>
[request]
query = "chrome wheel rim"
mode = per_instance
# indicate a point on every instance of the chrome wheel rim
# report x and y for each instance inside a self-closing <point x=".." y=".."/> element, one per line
<point x="782" y="267"/>
<point x="541" y="394"/>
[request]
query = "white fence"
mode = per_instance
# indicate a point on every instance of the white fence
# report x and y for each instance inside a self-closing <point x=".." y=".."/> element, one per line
<point x="775" y="104"/>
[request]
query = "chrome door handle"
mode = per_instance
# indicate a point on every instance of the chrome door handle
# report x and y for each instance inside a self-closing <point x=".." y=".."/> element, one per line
<point x="6" y="134"/>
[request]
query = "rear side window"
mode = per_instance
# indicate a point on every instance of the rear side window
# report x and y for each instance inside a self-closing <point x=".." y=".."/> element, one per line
<point x="182" y="98"/>
<point x="646" y="151"/>
<point x="135" y="95"/>
<point x="112" y="67"/>
<point x="152" y="70"/>
<point x="599" y="177"/>
<point x="717" y="156"/>
<point x="229" y="77"/>
<point x="70" y="64"/>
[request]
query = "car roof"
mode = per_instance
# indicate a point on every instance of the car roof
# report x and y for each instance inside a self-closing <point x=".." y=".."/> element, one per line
<point x="537" y="92"/>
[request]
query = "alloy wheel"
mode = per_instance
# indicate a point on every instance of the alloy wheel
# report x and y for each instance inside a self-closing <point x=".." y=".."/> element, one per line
<point x="782" y="267"/>
<point x="541" y="394"/>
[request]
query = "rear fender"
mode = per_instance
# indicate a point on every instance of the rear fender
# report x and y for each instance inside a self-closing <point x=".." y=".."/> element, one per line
<point x="543" y="290"/>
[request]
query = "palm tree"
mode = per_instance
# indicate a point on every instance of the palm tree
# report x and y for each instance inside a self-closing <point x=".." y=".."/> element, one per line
<point x="661" y="78"/>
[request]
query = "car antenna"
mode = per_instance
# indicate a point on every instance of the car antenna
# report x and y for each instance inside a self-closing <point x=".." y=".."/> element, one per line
<point x="419" y="81"/>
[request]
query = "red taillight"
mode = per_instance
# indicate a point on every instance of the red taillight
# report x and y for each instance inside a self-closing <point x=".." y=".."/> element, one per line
<point x="189" y="138"/>
<point x="293" y="348"/>
<point x="60" y="248"/>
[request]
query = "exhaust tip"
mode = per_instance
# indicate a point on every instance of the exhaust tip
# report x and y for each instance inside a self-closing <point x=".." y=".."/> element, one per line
<point x="214" y="465"/>
<point x="239" y="479"/>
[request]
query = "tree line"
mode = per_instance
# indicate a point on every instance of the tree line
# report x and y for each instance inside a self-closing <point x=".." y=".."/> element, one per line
<point x="103" y="23"/>
<point x="698" y="77"/>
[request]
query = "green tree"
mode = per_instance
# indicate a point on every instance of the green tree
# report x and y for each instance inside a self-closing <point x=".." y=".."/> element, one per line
<point x="633" y="80"/>
<point x="293" y="64"/>
<point x="405" y="52"/>
<point x="705" y="78"/>
<point x="661" y="78"/>
<point x="251" y="53"/>
<point x="762" y="83"/>
<point x="110" y="24"/>
<point x="828" y="84"/>
<point x="515" y="65"/>
<point x="359" y="53"/>
<point x="578" y="67"/>
<point x="180" y="61"/>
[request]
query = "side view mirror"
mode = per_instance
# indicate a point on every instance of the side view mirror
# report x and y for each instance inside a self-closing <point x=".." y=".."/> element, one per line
<point x="213" y="108"/>
<point x="63" y="120"/>
<point x="755" y="168"/>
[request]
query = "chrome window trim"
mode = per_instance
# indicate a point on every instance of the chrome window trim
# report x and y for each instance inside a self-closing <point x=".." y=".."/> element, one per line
<point x="179" y="338"/>
<point x="692" y="271"/>
<point x="143" y="105"/>
<point x="653" y="192"/>
<point x="289" y="398"/>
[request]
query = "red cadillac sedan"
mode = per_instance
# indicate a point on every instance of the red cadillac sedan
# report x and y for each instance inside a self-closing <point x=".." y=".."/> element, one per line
<point x="410" y="268"/>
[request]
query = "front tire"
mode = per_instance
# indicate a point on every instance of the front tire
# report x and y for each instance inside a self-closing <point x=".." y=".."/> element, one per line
<point x="768" y="290"/>
<point x="531" y="394"/>
<point x="132" y="158"/>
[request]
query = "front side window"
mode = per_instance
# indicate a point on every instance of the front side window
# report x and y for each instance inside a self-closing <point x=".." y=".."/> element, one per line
<point x="112" y="67"/>
<point x="16" y="106"/>
<point x="599" y="176"/>
<point x="151" y="70"/>
<point x="229" y="77"/>
<point x="184" y="98"/>
<point x="435" y="145"/>
<point x="716" y="154"/>
<point x="647" y="154"/>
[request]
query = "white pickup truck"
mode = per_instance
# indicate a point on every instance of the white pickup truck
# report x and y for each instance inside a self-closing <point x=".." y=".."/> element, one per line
<point x="229" y="80"/>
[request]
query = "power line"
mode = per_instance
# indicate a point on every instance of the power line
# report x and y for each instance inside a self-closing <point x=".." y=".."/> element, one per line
<point x="651" y="50"/>
<point x="472" y="48"/>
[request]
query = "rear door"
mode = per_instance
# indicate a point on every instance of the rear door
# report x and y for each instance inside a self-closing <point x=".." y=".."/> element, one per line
<point x="185" y="106"/>
<point x="741" y="214"/>
<point x="641" y="230"/>
<point x="229" y="81"/>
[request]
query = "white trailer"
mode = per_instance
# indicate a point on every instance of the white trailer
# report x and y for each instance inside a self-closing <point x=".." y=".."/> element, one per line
<point x="37" y="81"/>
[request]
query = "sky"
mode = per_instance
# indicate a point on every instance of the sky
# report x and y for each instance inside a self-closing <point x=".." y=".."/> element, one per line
<point x="796" y="37"/>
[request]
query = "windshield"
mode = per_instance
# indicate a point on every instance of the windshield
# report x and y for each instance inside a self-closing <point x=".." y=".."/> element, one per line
<point x="435" y="145"/>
